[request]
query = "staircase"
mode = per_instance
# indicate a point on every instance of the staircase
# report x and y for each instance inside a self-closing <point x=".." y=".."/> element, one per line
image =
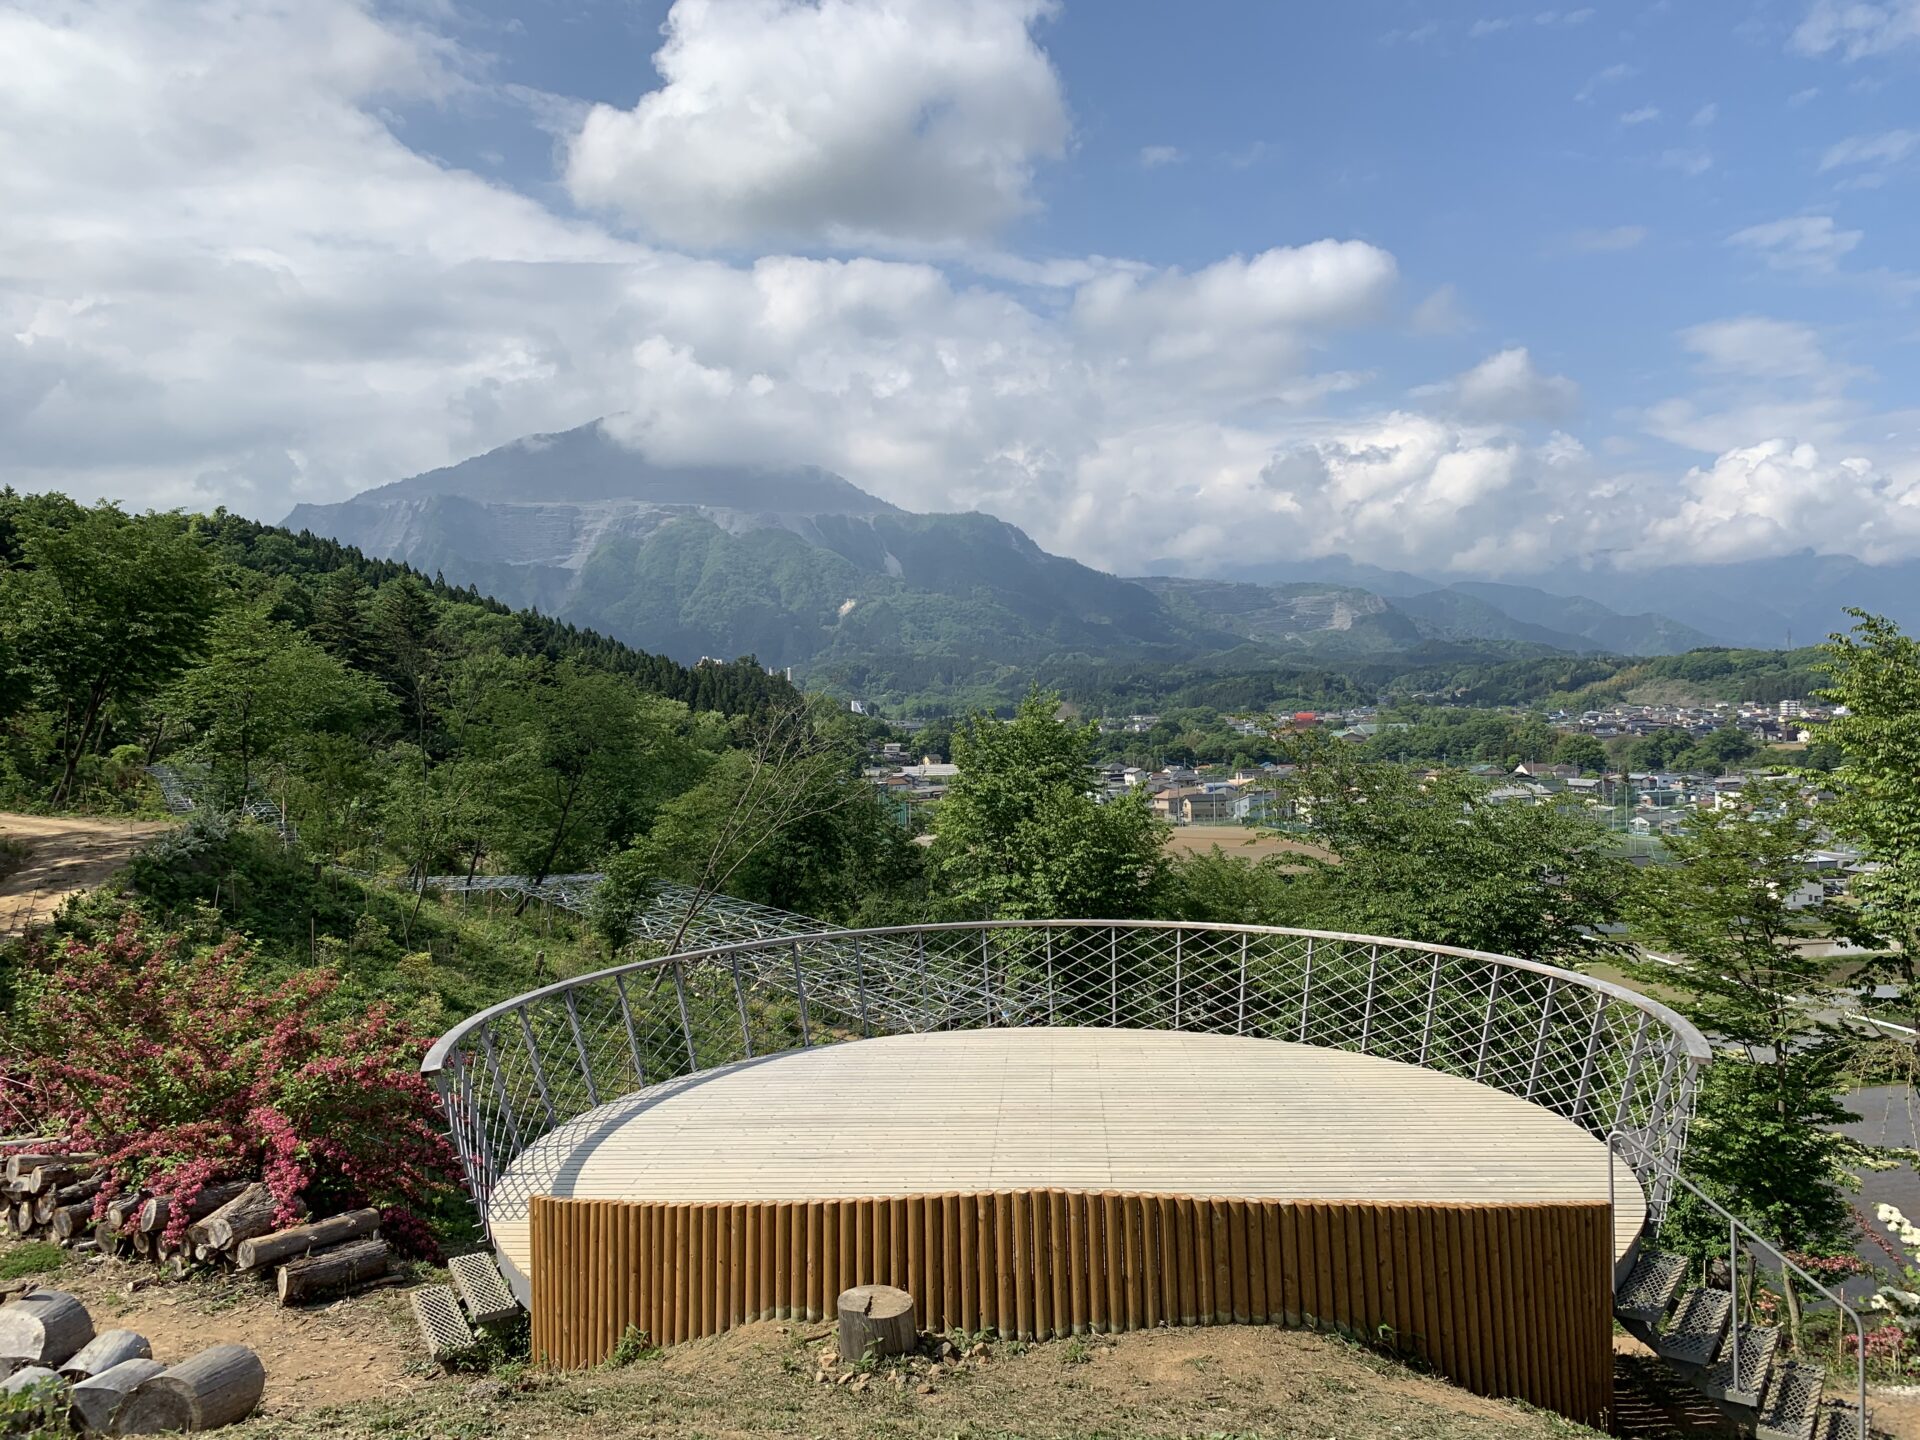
<point x="1691" y="1329"/>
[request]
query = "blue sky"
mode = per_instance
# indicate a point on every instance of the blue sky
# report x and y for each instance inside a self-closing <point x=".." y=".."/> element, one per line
<point x="1471" y="290"/>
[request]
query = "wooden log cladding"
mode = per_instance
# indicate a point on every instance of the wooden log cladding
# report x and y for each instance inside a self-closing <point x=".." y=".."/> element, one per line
<point x="1505" y="1300"/>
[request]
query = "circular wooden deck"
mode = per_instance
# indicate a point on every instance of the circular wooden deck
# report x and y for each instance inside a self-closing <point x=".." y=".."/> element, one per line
<point x="1077" y="1109"/>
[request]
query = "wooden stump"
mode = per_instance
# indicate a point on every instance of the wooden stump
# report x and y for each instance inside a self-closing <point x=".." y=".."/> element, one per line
<point x="106" y="1350"/>
<point x="875" y="1320"/>
<point x="335" y="1269"/>
<point x="96" y="1398"/>
<point x="304" y="1239"/>
<point x="218" y="1386"/>
<point x="44" y="1328"/>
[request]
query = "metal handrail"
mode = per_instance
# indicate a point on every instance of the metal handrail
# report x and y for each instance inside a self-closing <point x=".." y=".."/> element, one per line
<point x="1698" y="1051"/>
<point x="1736" y="1227"/>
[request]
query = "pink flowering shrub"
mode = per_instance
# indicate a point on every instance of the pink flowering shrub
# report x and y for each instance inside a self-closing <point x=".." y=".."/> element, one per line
<point x="181" y="1070"/>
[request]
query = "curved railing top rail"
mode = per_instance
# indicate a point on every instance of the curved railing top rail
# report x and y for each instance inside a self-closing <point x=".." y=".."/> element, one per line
<point x="1691" y="1041"/>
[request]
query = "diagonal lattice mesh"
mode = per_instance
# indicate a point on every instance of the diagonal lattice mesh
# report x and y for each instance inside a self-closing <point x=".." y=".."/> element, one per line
<point x="1604" y="1058"/>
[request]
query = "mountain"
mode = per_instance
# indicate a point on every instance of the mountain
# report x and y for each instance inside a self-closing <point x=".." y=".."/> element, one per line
<point x="794" y="566"/>
<point x="799" y="567"/>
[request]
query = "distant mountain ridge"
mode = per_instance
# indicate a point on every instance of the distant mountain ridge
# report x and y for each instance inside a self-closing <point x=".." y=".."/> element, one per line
<point x="800" y="567"/>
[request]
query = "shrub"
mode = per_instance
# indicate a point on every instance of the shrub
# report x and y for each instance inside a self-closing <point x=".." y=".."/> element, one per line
<point x="167" y="1059"/>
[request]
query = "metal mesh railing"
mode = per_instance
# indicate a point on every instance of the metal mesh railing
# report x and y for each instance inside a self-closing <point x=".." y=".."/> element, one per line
<point x="1611" y="1061"/>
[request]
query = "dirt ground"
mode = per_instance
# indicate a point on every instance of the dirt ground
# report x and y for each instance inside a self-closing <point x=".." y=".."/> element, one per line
<point x="65" y="855"/>
<point x="1236" y="840"/>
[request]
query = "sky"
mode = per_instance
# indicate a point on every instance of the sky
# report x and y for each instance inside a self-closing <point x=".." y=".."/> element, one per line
<point x="1448" y="287"/>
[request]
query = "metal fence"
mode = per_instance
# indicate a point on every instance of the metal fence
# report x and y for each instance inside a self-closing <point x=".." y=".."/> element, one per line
<point x="1610" y="1060"/>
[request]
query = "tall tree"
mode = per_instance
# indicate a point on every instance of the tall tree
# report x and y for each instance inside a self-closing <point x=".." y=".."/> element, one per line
<point x="1019" y="835"/>
<point x="103" y="609"/>
<point x="1874" y="673"/>
<point x="263" y="694"/>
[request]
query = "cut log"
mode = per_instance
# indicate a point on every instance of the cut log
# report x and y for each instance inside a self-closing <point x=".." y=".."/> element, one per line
<point x="218" y="1386"/>
<point x="55" y="1173"/>
<point x="44" y="1328"/>
<point x="142" y="1241"/>
<point x="106" y="1350"/>
<point x="265" y="1250"/>
<point x="96" y="1398"/>
<point x="20" y="1217"/>
<point x="121" y="1209"/>
<point x="246" y="1215"/>
<point x="328" y="1271"/>
<point x="71" y="1220"/>
<point x="158" y="1209"/>
<point x="20" y="1166"/>
<point x="30" y="1377"/>
<point x="875" y="1320"/>
<point x="48" y="1201"/>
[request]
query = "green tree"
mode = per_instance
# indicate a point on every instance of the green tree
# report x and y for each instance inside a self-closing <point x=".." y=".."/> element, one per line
<point x="1765" y="1142"/>
<point x="261" y="698"/>
<point x="1437" y="859"/>
<point x="1581" y="750"/>
<point x="1874" y="672"/>
<point x="1019" y="837"/>
<point x="102" y="610"/>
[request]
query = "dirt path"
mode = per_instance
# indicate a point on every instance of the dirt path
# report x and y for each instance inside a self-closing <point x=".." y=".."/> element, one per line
<point x="65" y="855"/>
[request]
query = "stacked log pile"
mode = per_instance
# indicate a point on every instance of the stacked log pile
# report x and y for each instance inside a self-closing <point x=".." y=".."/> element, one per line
<point x="108" y="1382"/>
<point x="51" y="1193"/>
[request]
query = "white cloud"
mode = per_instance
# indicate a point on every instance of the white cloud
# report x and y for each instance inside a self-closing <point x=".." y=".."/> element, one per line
<point x="1689" y="160"/>
<point x="1507" y="386"/>
<point x="1155" y="156"/>
<point x="1780" y="495"/>
<point x="1857" y="28"/>
<point x="1611" y="75"/>
<point x="1441" y="313"/>
<point x="1889" y="147"/>
<point x="1705" y="116"/>
<point x="1618" y="237"/>
<point x="846" y="121"/>
<point x="1641" y="116"/>
<point x="224" y="279"/>
<point x="1799" y="242"/>
<point x="1755" y="345"/>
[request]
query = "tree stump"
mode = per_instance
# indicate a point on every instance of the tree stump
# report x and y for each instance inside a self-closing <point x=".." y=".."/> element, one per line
<point x="336" y="1269"/>
<point x="875" y="1320"/>
<point x="44" y="1328"/>
<point x="96" y="1398"/>
<point x="106" y="1350"/>
<point x="218" y="1386"/>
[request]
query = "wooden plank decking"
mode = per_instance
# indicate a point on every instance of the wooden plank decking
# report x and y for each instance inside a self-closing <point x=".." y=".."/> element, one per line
<point x="1077" y="1109"/>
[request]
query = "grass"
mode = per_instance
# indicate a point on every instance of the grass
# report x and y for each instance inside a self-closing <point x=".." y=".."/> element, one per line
<point x="765" y="1380"/>
<point x="30" y="1257"/>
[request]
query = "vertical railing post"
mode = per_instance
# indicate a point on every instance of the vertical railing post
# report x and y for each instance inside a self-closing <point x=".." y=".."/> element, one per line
<point x="1179" y="953"/>
<point x="1433" y="997"/>
<point x="1306" y="992"/>
<point x="1733" y="1285"/>
<point x="539" y="1071"/>
<point x="1486" y="1024"/>
<point x="1048" y="933"/>
<point x="686" y="1020"/>
<point x="986" y="976"/>
<point x="508" y="1111"/>
<point x="1113" y="974"/>
<point x="1540" y="1040"/>
<point x="800" y="987"/>
<point x="1366" y="1009"/>
<point x="740" y="1003"/>
<point x="580" y="1048"/>
<point x="633" y="1038"/>
<point x="860" y="980"/>
<point x="1240" y="1011"/>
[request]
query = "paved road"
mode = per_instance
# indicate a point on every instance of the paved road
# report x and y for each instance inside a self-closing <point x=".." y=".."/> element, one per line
<point x="65" y="856"/>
